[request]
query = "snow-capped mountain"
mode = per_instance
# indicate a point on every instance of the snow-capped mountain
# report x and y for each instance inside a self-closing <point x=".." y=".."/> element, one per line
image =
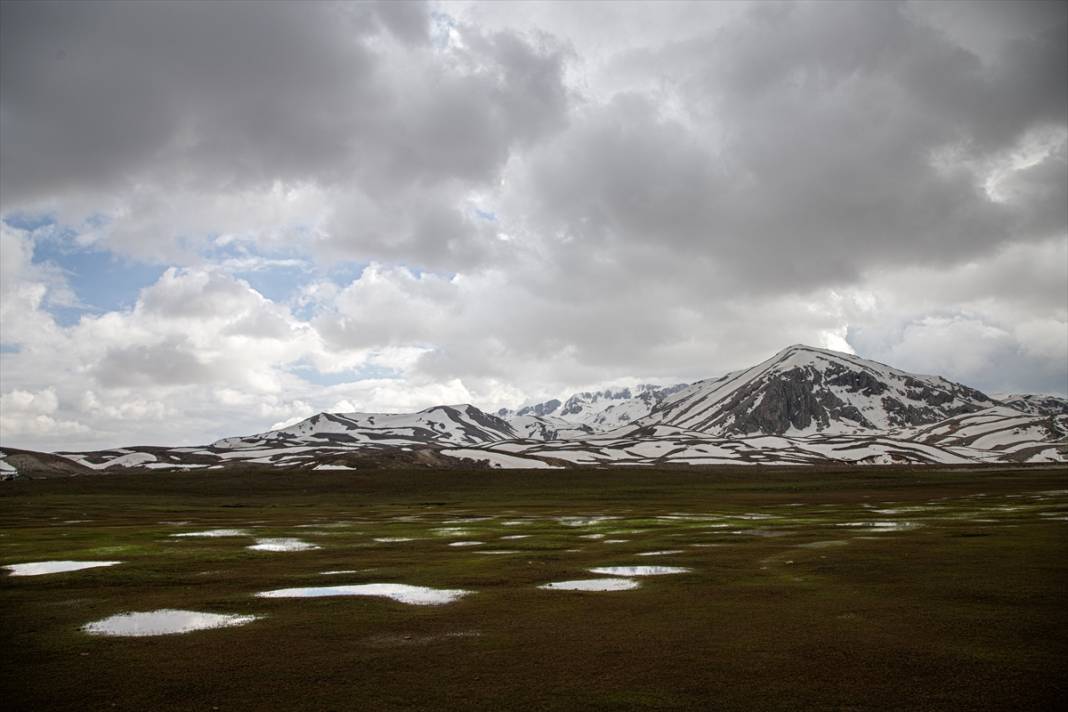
<point x="802" y="406"/>
<point x="441" y="425"/>
<point x="804" y="390"/>
<point x="547" y="427"/>
<point x="1035" y="404"/>
<point x="596" y="411"/>
<point x="999" y="429"/>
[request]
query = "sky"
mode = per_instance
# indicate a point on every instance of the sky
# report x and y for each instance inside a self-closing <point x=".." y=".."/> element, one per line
<point x="219" y="218"/>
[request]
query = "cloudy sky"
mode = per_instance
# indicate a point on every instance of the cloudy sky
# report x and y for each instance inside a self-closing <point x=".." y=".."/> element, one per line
<point x="221" y="217"/>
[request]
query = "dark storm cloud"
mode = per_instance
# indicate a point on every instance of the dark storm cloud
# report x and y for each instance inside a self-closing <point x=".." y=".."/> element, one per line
<point x="407" y="20"/>
<point x="102" y="99"/>
<point x="814" y="142"/>
<point x="224" y="94"/>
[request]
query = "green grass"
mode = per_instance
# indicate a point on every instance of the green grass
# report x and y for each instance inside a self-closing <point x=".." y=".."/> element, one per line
<point x="953" y="614"/>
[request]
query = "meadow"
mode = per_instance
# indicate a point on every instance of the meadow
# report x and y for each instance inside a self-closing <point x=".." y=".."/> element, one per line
<point x="790" y="588"/>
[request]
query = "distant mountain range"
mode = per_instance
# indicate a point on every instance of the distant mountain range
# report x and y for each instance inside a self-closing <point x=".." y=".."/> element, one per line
<point x="801" y="406"/>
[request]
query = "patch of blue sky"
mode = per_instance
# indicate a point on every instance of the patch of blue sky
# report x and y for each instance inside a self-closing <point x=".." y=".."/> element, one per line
<point x="319" y="378"/>
<point x="100" y="280"/>
<point x="442" y="26"/>
<point x="6" y="348"/>
<point x="345" y="273"/>
<point x="277" y="282"/>
<point x="29" y="221"/>
<point x="487" y="215"/>
<point x="342" y="273"/>
<point x="276" y="274"/>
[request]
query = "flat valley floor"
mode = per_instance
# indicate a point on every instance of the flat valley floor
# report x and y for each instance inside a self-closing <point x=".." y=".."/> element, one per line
<point x="789" y="589"/>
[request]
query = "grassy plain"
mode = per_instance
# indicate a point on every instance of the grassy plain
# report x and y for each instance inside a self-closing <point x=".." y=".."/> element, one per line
<point x="801" y="594"/>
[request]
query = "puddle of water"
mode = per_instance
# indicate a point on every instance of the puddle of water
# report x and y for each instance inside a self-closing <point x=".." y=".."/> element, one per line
<point x="880" y="524"/>
<point x="467" y="543"/>
<point x="281" y="545"/>
<point x="38" y="568"/>
<point x="497" y="552"/>
<point x="392" y="539"/>
<point x="516" y="536"/>
<point x="583" y="521"/>
<point x="899" y="527"/>
<point x="214" y="533"/>
<point x="451" y="531"/>
<point x="591" y="536"/>
<point x="601" y="584"/>
<point x="888" y="526"/>
<point x="615" y="541"/>
<point x="823" y="544"/>
<point x="640" y="570"/>
<point x="166" y="621"/>
<point x="339" y="571"/>
<point x="665" y="552"/>
<point x="402" y="593"/>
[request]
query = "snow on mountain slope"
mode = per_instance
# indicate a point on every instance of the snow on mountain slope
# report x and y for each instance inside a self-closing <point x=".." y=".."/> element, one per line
<point x="804" y="390"/>
<point x="546" y="427"/>
<point x="1036" y="404"/>
<point x="998" y="429"/>
<point x="802" y="406"/>
<point x="684" y="448"/>
<point x="595" y="410"/>
<point x="440" y="425"/>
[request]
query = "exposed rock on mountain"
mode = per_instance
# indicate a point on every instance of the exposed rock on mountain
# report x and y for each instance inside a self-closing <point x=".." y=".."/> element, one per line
<point x="804" y="390"/>
<point x="439" y="425"/>
<point x="1036" y="404"/>
<point x="535" y="427"/>
<point x="592" y="411"/>
<point x="802" y="406"/>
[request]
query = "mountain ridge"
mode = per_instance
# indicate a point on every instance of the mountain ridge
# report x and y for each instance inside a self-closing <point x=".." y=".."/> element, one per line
<point x="803" y="405"/>
<point x="778" y="396"/>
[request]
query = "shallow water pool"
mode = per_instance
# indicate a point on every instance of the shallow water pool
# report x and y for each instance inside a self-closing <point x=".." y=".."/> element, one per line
<point x="639" y="570"/>
<point x="39" y="568"/>
<point x="403" y="593"/>
<point x="282" y="545"/>
<point x="600" y="584"/>
<point x="166" y="621"/>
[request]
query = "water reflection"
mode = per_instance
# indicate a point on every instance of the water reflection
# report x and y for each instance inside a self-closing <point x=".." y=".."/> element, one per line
<point x="403" y="593"/>
<point x="601" y="584"/>
<point x="37" y="568"/>
<point x="166" y="621"/>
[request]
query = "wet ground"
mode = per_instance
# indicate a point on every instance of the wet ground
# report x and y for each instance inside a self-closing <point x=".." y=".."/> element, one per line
<point x="768" y="589"/>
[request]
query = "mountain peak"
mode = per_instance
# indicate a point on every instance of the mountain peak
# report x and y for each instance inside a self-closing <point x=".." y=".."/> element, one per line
<point x="803" y="389"/>
<point x="805" y="349"/>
